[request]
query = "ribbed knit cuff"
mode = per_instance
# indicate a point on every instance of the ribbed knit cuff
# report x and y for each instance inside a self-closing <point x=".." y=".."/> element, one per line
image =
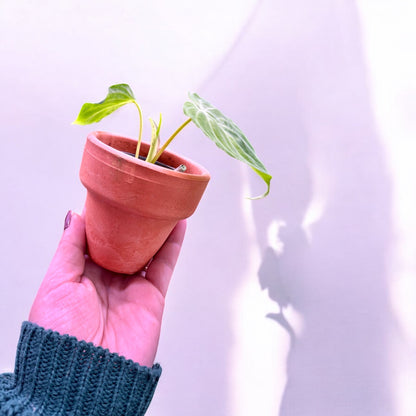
<point x="57" y="374"/>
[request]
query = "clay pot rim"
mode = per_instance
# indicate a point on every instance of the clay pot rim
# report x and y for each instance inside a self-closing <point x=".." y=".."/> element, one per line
<point x="202" y="174"/>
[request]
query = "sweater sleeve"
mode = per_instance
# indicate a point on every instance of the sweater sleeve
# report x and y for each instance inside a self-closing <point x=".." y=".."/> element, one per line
<point x="59" y="375"/>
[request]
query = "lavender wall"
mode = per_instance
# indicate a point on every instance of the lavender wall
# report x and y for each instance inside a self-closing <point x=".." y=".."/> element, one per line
<point x="299" y="304"/>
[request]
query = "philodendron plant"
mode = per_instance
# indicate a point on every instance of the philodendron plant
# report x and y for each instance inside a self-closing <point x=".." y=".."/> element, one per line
<point x="219" y="128"/>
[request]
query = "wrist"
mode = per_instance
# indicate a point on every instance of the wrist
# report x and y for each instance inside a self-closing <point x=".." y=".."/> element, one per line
<point x="75" y="377"/>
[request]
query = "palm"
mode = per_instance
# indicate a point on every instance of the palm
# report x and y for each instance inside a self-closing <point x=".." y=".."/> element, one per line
<point x="120" y="313"/>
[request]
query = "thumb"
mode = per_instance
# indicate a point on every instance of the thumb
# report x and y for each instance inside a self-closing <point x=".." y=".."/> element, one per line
<point x="161" y="267"/>
<point x="69" y="260"/>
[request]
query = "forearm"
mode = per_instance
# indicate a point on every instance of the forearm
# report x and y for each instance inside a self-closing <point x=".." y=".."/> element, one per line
<point x="57" y="374"/>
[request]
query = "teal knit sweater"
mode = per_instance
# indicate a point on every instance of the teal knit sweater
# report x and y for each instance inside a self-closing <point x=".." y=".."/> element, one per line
<point x="59" y="375"/>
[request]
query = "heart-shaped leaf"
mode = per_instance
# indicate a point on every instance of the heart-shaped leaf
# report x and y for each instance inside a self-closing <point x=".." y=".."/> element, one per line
<point x="225" y="134"/>
<point x="118" y="95"/>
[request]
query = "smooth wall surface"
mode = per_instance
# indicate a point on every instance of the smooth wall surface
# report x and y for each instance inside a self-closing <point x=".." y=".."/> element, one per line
<point x="300" y="304"/>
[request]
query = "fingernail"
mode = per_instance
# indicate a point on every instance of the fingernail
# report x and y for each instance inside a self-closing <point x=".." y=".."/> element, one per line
<point x="67" y="220"/>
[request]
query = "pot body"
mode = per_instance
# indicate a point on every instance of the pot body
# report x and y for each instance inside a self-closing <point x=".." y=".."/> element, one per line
<point x="132" y="205"/>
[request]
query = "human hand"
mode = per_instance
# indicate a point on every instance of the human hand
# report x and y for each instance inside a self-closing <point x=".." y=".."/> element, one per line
<point x="118" y="312"/>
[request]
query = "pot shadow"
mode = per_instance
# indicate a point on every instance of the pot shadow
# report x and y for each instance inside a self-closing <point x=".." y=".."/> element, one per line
<point x="297" y="79"/>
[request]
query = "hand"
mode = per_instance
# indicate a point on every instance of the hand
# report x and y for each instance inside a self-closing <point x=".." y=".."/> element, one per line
<point x="118" y="312"/>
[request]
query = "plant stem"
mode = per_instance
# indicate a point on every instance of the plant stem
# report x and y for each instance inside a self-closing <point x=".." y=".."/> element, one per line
<point x="166" y="144"/>
<point x="140" y="129"/>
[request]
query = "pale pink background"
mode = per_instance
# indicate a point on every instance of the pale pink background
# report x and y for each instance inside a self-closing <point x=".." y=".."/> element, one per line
<point x="327" y="94"/>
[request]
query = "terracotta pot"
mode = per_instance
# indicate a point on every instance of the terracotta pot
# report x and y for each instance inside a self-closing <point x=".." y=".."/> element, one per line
<point x="132" y="206"/>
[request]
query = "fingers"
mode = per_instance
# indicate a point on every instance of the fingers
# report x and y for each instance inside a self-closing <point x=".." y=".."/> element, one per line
<point x="161" y="268"/>
<point x="69" y="260"/>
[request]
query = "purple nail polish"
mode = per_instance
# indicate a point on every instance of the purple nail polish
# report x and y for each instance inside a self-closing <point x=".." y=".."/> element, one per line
<point x="68" y="220"/>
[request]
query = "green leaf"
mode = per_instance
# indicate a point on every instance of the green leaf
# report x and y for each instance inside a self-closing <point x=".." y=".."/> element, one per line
<point x="118" y="95"/>
<point x="225" y="134"/>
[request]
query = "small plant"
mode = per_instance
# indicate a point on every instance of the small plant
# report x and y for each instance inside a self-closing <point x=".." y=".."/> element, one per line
<point x="220" y="129"/>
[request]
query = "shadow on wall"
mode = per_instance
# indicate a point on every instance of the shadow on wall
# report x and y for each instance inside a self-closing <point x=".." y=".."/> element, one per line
<point x="296" y="82"/>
